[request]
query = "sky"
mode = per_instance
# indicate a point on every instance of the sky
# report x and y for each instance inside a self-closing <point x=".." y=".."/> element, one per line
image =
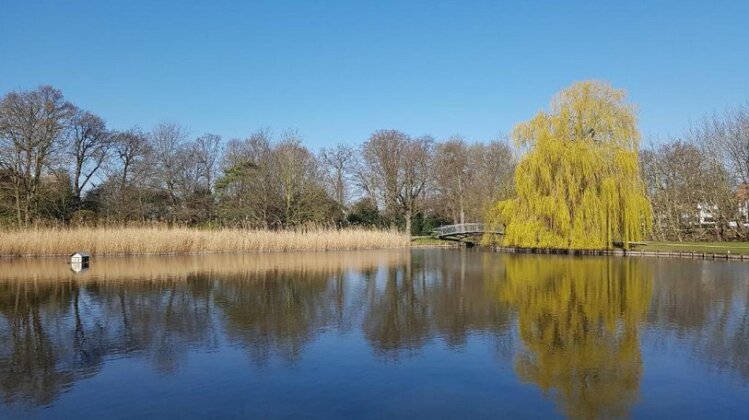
<point x="336" y="71"/>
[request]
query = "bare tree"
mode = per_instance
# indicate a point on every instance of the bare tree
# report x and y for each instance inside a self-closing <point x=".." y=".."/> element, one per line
<point x="127" y="175"/>
<point x="194" y="166"/>
<point x="31" y="127"/>
<point x="131" y="149"/>
<point x="273" y="184"/>
<point x="169" y="143"/>
<point x="338" y="164"/>
<point x="394" y="170"/>
<point x="207" y="150"/>
<point x="729" y="137"/>
<point x="378" y="171"/>
<point x="724" y="147"/>
<point x="691" y="192"/>
<point x="454" y="175"/>
<point x="299" y="181"/>
<point x="493" y="165"/>
<point x="89" y="147"/>
<point x="675" y="192"/>
<point x="417" y="173"/>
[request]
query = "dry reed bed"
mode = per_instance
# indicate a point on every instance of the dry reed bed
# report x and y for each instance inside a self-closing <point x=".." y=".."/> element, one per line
<point x="181" y="267"/>
<point x="143" y="241"/>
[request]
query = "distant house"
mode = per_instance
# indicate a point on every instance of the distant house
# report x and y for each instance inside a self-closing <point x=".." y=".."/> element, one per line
<point x="706" y="213"/>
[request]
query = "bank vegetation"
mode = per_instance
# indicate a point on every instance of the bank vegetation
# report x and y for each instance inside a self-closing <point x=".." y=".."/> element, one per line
<point x="62" y="167"/>
<point x="161" y="240"/>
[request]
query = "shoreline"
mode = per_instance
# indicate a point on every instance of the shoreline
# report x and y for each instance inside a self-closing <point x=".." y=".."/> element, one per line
<point x="208" y="253"/>
<point x="623" y="253"/>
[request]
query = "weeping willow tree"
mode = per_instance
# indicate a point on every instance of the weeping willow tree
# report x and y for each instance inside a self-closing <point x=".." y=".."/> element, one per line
<point x="578" y="186"/>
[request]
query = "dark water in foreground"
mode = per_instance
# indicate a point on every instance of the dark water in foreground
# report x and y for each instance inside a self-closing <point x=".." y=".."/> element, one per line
<point x="394" y="334"/>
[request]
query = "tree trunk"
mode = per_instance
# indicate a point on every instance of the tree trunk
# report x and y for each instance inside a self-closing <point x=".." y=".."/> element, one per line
<point x="18" y="204"/>
<point x="462" y="210"/>
<point x="408" y="222"/>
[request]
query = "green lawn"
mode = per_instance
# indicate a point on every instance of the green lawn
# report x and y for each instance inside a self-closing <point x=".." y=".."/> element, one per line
<point x="708" y="247"/>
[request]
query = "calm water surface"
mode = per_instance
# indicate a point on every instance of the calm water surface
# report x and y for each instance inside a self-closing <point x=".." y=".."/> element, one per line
<point x="395" y="334"/>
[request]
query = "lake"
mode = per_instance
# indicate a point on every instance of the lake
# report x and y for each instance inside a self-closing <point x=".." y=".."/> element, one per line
<point x="441" y="333"/>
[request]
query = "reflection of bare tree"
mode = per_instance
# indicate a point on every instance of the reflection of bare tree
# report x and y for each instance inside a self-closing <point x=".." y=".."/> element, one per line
<point x="397" y="316"/>
<point x="158" y="320"/>
<point x="55" y="333"/>
<point x="33" y="368"/>
<point x="686" y="297"/>
<point x="725" y="344"/>
<point x="278" y="312"/>
<point x="461" y="302"/>
<point x="701" y="305"/>
<point x="436" y="294"/>
<point x="57" y="327"/>
<point x="579" y="319"/>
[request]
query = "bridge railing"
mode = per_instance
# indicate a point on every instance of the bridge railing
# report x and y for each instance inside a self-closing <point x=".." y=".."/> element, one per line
<point x="463" y="228"/>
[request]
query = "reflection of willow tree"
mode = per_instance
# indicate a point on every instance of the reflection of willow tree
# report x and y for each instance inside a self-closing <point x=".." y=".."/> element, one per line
<point x="277" y="312"/>
<point x="578" y="320"/>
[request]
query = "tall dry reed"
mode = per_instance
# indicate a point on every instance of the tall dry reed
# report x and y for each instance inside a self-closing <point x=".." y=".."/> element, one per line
<point x="160" y="240"/>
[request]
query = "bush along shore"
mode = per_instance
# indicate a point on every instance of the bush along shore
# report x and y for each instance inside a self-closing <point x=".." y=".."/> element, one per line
<point x="166" y="241"/>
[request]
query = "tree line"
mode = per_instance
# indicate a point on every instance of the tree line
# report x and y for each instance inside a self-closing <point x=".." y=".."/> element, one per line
<point x="62" y="165"/>
<point x="698" y="183"/>
<point x="584" y="182"/>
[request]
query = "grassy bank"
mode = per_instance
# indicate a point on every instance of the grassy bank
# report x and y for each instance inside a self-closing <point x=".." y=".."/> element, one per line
<point x="137" y="241"/>
<point x="684" y="249"/>
<point x="741" y="248"/>
<point x="428" y="242"/>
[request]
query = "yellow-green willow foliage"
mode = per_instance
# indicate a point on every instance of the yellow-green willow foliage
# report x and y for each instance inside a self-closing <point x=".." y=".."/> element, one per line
<point x="578" y="321"/>
<point x="578" y="186"/>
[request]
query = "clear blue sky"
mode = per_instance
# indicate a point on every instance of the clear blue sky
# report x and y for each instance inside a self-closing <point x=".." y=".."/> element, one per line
<point x="337" y="70"/>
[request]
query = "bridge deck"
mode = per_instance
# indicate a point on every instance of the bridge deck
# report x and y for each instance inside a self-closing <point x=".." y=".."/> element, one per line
<point x="463" y="231"/>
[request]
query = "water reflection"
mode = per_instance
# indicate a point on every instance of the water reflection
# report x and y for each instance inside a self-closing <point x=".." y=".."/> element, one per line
<point x="30" y="361"/>
<point x="574" y="328"/>
<point x="579" y="326"/>
<point x="277" y="312"/>
<point x="704" y="306"/>
<point x="437" y="295"/>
